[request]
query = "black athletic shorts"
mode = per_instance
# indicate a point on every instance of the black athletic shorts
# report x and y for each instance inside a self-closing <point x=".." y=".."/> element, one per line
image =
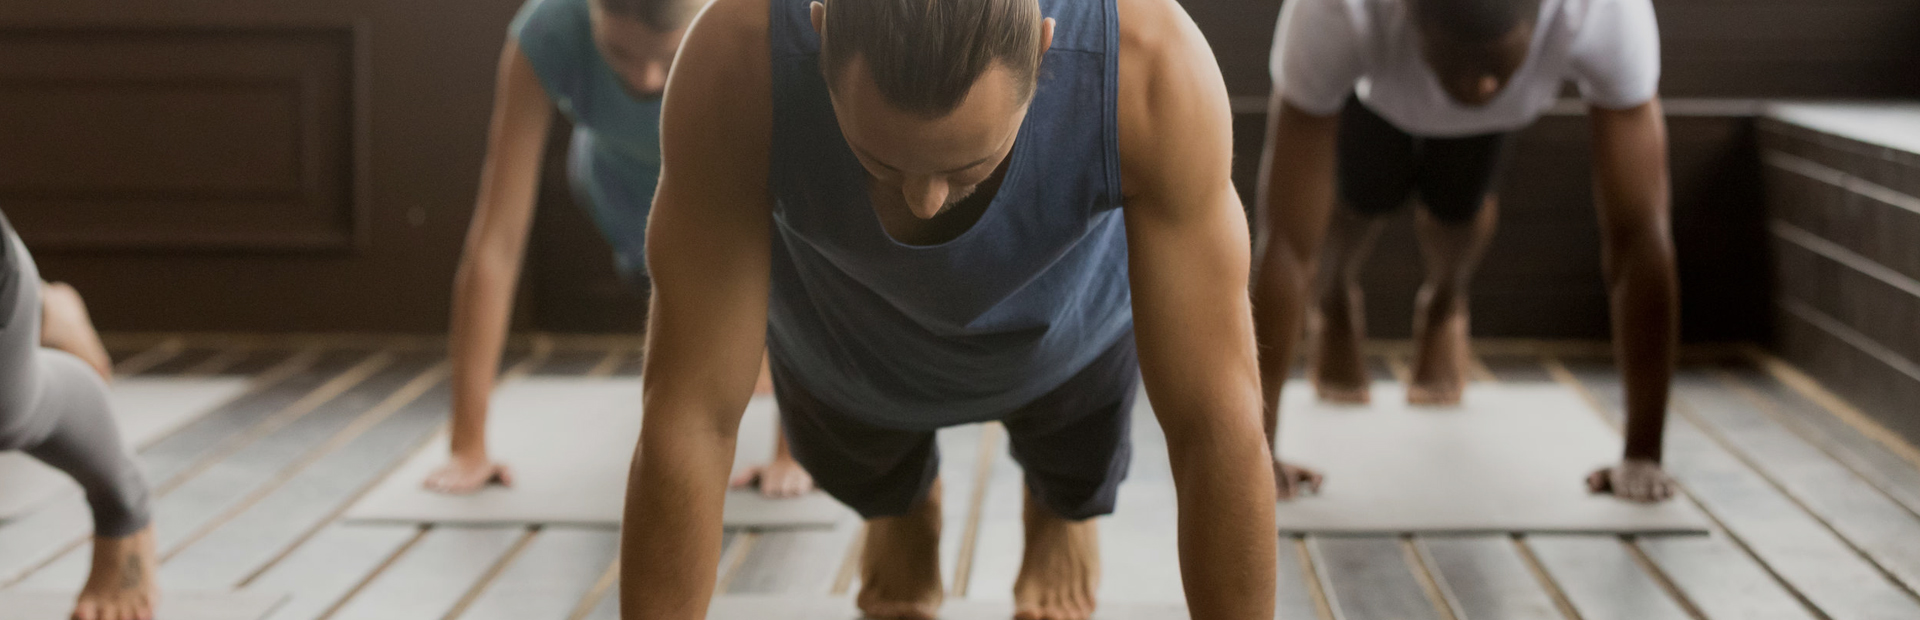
<point x="1073" y="444"/>
<point x="1380" y="166"/>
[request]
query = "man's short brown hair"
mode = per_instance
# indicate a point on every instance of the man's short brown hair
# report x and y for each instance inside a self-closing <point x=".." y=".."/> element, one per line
<point x="924" y="55"/>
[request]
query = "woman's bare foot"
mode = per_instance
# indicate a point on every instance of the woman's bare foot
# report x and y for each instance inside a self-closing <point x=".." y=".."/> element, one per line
<point x="121" y="586"/>
<point x="65" y="325"/>
<point x="1338" y="372"/>
<point x="900" y="564"/>
<point x="465" y="475"/>
<point x="1060" y="570"/>
<point x="1442" y="354"/>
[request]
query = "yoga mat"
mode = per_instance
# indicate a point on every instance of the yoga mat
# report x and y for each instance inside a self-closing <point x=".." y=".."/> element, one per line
<point x="173" y="605"/>
<point x="148" y="409"/>
<point x="1511" y="458"/>
<point x="739" y="607"/>
<point x="569" y="442"/>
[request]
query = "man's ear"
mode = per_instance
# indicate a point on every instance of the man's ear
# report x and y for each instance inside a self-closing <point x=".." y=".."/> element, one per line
<point x="1046" y="33"/>
<point x="817" y="13"/>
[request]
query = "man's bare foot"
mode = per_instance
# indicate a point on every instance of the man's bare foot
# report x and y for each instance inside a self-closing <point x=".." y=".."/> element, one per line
<point x="1293" y="480"/>
<point x="1442" y="355"/>
<point x="1336" y="330"/>
<point x="1060" y="570"/>
<point x="65" y="325"/>
<point x="121" y="586"/>
<point x="463" y="475"/>
<point x="780" y="478"/>
<point x="900" y="564"/>
<point x="1634" y="480"/>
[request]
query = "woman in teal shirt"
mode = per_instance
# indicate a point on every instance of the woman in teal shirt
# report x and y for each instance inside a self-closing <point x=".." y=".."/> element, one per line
<point x="603" y="63"/>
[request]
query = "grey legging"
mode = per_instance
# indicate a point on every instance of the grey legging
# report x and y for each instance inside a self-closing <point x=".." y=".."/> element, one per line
<point x="54" y="406"/>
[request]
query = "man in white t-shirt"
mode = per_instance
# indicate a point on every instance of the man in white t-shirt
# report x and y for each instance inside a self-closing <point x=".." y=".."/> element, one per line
<point x="1378" y="103"/>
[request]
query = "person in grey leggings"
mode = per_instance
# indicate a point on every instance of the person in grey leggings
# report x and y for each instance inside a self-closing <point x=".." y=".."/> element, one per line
<point x="53" y="406"/>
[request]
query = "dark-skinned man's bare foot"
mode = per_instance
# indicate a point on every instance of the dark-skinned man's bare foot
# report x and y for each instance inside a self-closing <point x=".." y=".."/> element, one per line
<point x="1442" y="352"/>
<point x="1338" y="370"/>
<point x="463" y="475"/>
<point x="121" y="586"/>
<point x="65" y="325"/>
<point x="1291" y="480"/>
<point x="1634" y="480"/>
<point x="1060" y="568"/>
<point x="900" y="564"/>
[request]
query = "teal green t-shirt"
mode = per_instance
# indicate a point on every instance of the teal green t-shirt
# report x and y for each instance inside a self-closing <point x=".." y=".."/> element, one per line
<point x="614" y="161"/>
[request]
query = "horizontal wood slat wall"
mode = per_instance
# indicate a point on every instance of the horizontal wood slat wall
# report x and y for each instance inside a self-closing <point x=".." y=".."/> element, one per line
<point x="1844" y="230"/>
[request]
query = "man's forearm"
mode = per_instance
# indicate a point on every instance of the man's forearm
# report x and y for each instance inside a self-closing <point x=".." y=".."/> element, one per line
<point x="1645" y="299"/>
<point x="1228" y="539"/>
<point x="670" y="537"/>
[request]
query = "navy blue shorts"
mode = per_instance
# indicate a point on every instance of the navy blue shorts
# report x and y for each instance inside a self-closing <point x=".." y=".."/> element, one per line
<point x="1073" y="444"/>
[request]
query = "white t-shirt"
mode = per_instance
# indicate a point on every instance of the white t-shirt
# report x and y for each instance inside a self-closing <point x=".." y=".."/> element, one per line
<point x="1325" y="49"/>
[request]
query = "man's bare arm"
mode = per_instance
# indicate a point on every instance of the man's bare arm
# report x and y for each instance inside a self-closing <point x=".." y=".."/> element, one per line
<point x="1187" y="239"/>
<point x="707" y="249"/>
<point x="1631" y="188"/>
<point x="1294" y="201"/>
<point x="490" y="262"/>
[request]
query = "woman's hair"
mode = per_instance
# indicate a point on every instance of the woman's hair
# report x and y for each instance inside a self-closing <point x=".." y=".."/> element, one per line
<point x="662" y="15"/>
<point x="924" y="55"/>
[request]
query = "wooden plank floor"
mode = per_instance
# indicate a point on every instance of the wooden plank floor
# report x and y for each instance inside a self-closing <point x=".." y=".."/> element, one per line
<point x="1816" y="513"/>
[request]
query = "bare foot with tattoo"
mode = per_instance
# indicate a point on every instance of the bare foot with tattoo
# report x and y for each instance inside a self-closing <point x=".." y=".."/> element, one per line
<point x="1060" y="570"/>
<point x="900" y="564"/>
<point x="121" y="586"/>
<point x="65" y="325"/>
<point x="1335" y="333"/>
<point x="1443" y="352"/>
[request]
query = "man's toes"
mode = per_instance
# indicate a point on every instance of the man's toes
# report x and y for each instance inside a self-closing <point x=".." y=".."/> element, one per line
<point x="86" y="610"/>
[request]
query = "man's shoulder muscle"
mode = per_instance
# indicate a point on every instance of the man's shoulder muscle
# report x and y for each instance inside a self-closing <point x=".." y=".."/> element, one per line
<point x="1173" y="101"/>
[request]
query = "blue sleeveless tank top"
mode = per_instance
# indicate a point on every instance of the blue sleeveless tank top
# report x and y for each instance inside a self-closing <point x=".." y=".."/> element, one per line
<point x="920" y="337"/>
<point x="614" y="160"/>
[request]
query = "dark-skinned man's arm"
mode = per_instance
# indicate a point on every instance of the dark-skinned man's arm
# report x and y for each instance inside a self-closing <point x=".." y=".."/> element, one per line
<point x="1294" y="200"/>
<point x="707" y="249"/>
<point x="1631" y="191"/>
<point x="1188" y="248"/>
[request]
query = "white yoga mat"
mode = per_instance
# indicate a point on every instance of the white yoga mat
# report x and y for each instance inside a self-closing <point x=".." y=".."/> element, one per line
<point x="148" y="408"/>
<point x="1512" y="458"/>
<point x="569" y="442"/>
<point x="735" y="607"/>
<point x="173" y="605"/>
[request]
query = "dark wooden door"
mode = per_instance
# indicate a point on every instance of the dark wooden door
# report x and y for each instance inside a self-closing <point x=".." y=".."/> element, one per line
<point x="232" y="165"/>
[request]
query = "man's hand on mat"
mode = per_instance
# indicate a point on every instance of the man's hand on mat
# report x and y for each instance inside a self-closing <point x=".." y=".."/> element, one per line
<point x="461" y="476"/>
<point x="1634" y="480"/>
<point x="1294" y="481"/>
<point x="782" y="478"/>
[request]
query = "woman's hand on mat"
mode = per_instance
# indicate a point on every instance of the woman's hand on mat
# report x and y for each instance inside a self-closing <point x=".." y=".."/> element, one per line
<point x="1634" y="480"/>
<point x="782" y="478"/>
<point x="1293" y="480"/>
<point x="461" y="476"/>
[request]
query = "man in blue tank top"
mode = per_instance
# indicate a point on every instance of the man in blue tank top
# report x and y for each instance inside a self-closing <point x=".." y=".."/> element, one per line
<point x="936" y="213"/>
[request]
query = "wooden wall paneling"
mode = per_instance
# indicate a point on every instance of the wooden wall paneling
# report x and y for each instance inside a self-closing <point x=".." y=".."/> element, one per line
<point x="182" y="138"/>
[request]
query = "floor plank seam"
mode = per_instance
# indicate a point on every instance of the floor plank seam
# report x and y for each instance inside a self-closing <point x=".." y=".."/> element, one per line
<point x="226" y="358"/>
<point x="1799" y="428"/>
<point x="392" y="403"/>
<point x="518" y="369"/>
<point x="601" y="588"/>
<point x="153" y="356"/>
<point x="734" y="559"/>
<point x="365" y="580"/>
<point x="1714" y="435"/>
<point x="1546" y="580"/>
<point x="1661" y="578"/>
<point x="1431" y="581"/>
<point x="976" y="508"/>
<point x="1566" y="377"/>
<point x="487" y="578"/>
<point x="1833" y="404"/>
<point x="1318" y="582"/>
<point x="849" y="563"/>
